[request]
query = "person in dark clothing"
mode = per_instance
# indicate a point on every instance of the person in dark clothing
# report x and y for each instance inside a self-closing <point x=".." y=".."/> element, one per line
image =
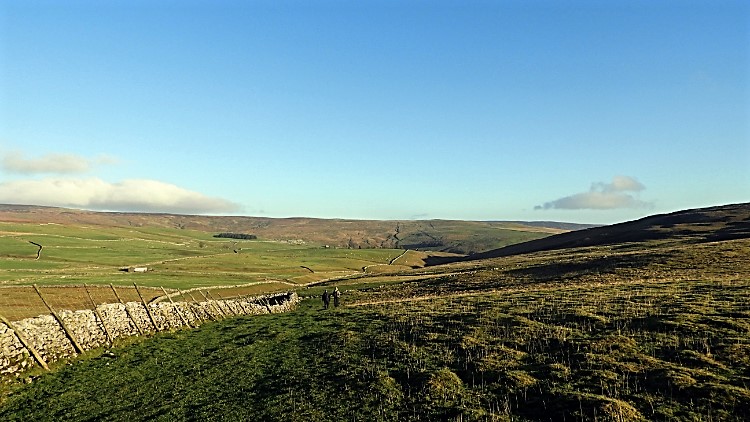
<point x="336" y="295"/>
<point x="326" y="299"/>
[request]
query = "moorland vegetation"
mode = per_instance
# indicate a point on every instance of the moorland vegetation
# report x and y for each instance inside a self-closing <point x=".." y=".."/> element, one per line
<point x="654" y="325"/>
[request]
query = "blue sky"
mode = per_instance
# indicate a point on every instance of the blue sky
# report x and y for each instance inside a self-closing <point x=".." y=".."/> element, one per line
<point x="581" y="111"/>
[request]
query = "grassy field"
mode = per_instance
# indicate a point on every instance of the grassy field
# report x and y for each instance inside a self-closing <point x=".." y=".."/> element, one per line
<point x="435" y="235"/>
<point x="657" y="329"/>
<point x="609" y="334"/>
<point x="76" y="255"/>
<point x="176" y="258"/>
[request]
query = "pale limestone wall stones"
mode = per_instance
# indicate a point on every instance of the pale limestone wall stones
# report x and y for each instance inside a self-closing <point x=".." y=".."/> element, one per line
<point x="117" y="321"/>
<point x="45" y="334"/>
<point x="85" y="327"/>
<point x="15" y="358"/>
<point x="139" y="315"/>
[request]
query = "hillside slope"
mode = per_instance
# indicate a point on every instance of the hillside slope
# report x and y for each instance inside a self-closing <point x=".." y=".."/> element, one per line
<point x="654" y="330"/>
<point x="711" y="224"/>
<point x="463" y="237"/>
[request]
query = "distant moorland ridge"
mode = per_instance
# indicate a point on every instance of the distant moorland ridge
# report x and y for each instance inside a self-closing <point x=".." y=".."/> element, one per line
<point x="463" y="237"/>
<point x="712" y="224"/>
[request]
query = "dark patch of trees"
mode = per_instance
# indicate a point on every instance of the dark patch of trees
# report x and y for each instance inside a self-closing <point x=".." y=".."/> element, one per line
<point x="425" y="244"/>
<point x="236" y="236"/>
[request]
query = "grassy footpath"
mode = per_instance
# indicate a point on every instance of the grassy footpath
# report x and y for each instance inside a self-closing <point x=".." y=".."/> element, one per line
<point x="295" y="366"/>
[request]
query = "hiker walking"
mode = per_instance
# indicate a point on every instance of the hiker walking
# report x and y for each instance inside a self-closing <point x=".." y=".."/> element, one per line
<point x="336" y="295"/>
<point x="326" y="299"/>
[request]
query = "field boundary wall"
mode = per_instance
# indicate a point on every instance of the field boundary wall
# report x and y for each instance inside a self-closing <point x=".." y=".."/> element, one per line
<point x="61" y="334"/>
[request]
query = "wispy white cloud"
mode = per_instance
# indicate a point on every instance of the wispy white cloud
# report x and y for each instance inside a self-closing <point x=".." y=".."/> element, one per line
<point x="128" y="195"/>
<point x="17" y="162"/>
<point x="603" y="196"/>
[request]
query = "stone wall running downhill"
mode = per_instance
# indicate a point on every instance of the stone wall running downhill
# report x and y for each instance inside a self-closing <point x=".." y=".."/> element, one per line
<point x="45" y="335"/>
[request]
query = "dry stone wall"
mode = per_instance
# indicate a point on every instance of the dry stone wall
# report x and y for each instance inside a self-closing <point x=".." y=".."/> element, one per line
<point x="46" y="336"/>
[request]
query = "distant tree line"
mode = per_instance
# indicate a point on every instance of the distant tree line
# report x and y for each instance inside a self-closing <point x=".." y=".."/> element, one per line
<point x="236" y="236"/>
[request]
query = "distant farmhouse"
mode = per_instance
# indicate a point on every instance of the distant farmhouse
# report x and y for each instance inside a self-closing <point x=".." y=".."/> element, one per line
<point x="134" y="269"/>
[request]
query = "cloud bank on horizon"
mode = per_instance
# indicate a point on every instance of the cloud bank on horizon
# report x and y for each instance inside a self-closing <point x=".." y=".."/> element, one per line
<point x="93" y="193"/>
<point x="603" y="196"/>
<point x="145" y="195"/>
<point x="16" y="162"/>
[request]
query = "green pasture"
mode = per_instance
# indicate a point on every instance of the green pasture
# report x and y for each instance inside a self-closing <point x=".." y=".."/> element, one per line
<point x="175" y="258"/>
<point x="630" y="332"/>
<point x="467" y="236"/>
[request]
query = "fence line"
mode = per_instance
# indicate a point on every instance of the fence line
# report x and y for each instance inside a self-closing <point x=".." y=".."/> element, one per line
<point x="95" y="319"/>
<point x="25" y="343"/>
<point x="60" y="321"/>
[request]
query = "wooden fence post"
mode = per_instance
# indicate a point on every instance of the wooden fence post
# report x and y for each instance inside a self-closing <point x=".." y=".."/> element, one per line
<point x="25" y="343"/>
<point x="207" y="294"/>
<point x="148" y="310"/>
<point x="267" y="303"/>
<point x="176" y="308"/>
<point x="225" y="303"/>
<point x="96" y="311"/>
<point x="192" y="297"/>
<point x="241" y="301"/>
<point x="198" y="317"/>
<point x="135" y="322"/>
<point x="64" y="326"/>
<point x="221" y="311"/>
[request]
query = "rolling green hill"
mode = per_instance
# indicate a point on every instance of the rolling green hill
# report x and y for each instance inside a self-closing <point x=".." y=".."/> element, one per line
<point x="437" y="235"/>
<point x="651" y="325"/>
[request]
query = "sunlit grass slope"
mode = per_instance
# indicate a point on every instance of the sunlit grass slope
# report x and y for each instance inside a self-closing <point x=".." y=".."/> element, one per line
<point x="614" y="333"/>
<point x="609" y="352"/>
<point x="176" y="258"/>
<point x="435" y="235"/>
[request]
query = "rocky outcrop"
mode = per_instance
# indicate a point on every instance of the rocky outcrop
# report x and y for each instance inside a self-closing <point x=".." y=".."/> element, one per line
<point x="53" y="341"/>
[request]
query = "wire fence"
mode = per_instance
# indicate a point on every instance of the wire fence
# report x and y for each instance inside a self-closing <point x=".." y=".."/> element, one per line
<point x="20" y="302"/>
<point x="41" y="324"/>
